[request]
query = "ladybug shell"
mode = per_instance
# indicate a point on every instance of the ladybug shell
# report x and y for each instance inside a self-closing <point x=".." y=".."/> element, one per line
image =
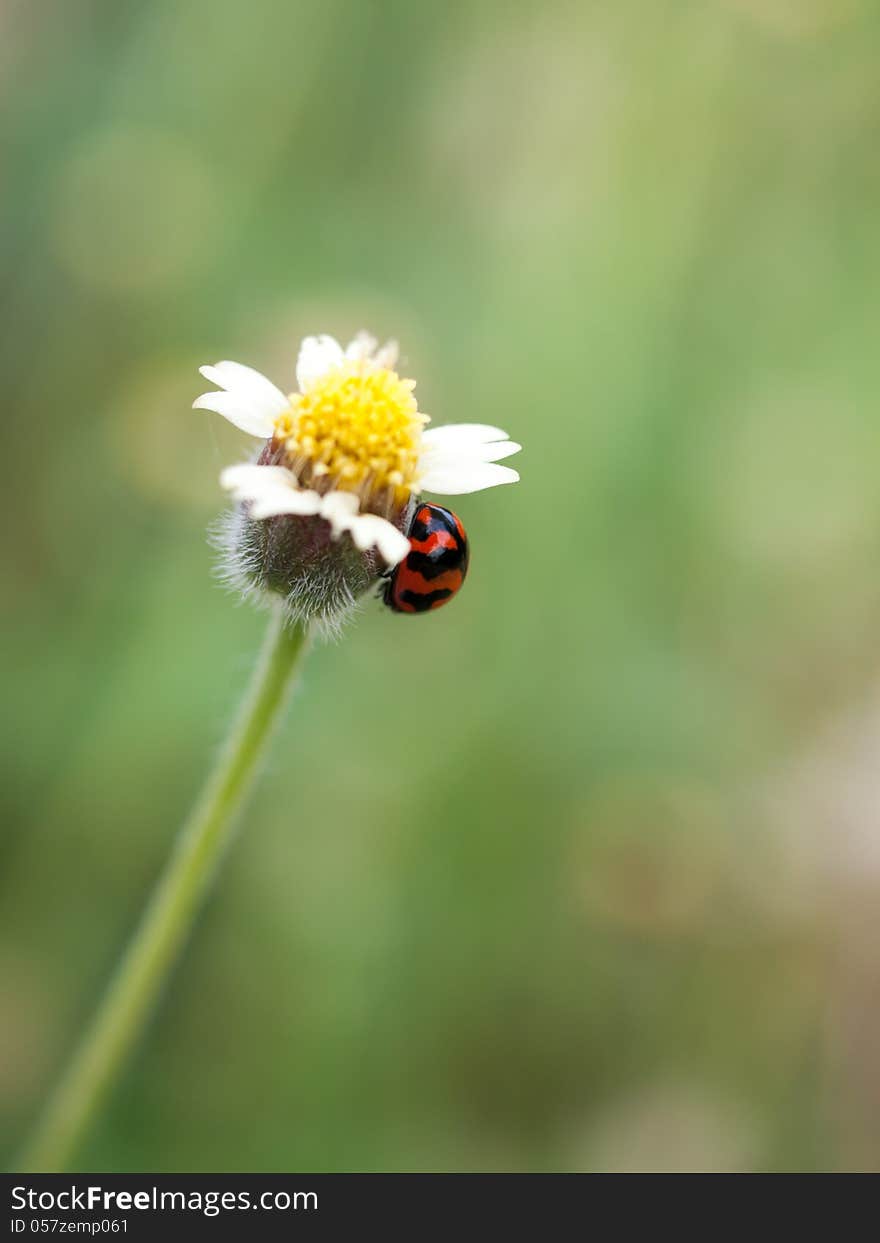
<point x="434" y="568"/>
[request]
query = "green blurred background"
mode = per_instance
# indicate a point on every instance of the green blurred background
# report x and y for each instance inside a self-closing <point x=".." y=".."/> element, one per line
<point x="583" y="872"/>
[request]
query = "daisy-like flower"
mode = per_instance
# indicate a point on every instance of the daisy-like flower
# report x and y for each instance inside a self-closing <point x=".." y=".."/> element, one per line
<point x="344" y="456"/>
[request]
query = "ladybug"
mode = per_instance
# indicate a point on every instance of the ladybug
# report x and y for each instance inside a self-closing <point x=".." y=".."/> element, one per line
<point x="435" y="566"/>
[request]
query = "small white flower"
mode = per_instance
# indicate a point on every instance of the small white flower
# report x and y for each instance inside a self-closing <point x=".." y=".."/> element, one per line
<point x="350" y="446"/>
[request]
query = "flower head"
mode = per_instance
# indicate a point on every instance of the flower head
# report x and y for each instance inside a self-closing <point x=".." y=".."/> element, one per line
<point x="345" y="455"/>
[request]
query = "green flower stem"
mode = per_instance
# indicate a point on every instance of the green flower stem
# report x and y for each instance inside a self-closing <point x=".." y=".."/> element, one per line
<point x="171" y="912"/>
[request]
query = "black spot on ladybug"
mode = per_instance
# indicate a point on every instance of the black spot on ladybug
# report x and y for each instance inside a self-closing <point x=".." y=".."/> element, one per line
<point x="423" y="602"/>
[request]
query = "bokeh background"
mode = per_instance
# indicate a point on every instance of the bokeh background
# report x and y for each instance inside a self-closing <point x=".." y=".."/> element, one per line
<point x="582" y="873"/>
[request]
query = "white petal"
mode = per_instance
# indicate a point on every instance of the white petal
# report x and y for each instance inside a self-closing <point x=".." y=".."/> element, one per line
<point x="361" y="347"/>
<point x="268" y="490"/>
<point x="240" y="410"/>
<point x="275" y="501"/>
<point x="494" y="452"/>
<point x="342" y="502"/>
<point x="453" y="435"/>
<point x="339" y="508"/>
<point x="317" y="356"/>
<point x="254" y="478"/>
<point x="369" y="530"/>
<point x="454" y="476"/>
<point x="388" y="355"/>
<point x="236" y="378"/>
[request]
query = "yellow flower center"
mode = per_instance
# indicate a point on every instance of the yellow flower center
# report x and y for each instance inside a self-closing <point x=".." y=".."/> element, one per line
<point x="358" y="428"/>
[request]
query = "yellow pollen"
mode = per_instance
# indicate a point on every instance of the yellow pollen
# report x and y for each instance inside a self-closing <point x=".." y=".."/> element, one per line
<point x="357" y="428"/>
